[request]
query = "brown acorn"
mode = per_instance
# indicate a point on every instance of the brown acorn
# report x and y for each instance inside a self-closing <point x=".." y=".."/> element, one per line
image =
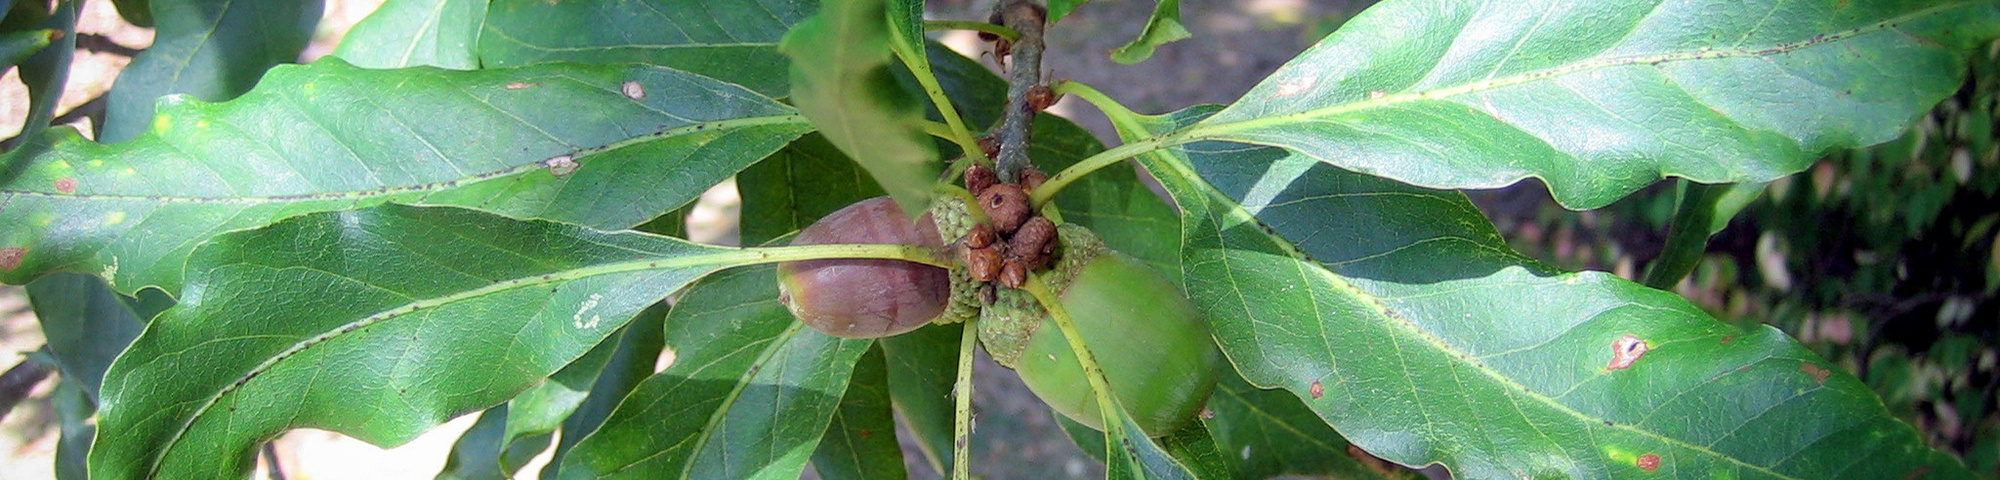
<point x="865" y="298"/>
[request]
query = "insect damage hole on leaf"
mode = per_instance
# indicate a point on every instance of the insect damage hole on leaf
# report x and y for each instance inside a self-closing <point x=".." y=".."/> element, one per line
<point x="1625" y="351"/>
<point x="561" y="165"/>
<point x="633" y="90"/>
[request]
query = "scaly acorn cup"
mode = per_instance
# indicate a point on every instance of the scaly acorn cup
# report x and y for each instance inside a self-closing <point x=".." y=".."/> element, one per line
<point x="1153" y="348"/>
<point x="866" y="298"/>
<point x="954" y="218"/>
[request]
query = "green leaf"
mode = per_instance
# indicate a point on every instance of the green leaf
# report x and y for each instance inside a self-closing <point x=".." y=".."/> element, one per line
<point x="860" y="442"/>
<point x="748" y="395"/>
<point x="411" y="33"/>
<point x="73" y="411"/>
<point x="1365" y="298"/>
<point x="479" y="452"/>
<point x="1061" y="8"/>
<point x="1188" y="453"/>
<point x="558" y="142"/>
<point x="18" y="46"/>
<point x="534" y="415"/>
<point x="733" y="41"/>
<point x="88" y="325"/>
<point x="1162" y="28"/>
<point x="1269" y="433"/>
<point x="1700" y="212"/>
<point x="796" y="186"/>
<point x="136" y="12"/>
<point x="841" y="79"/>
<point x="923" y="365"/>
<point x="378" y="324"/>
<point x="1598" y="99"/>
<point x="210" y="50"/>
<point x="638" y="350"/>
<point x="44" y="73"/>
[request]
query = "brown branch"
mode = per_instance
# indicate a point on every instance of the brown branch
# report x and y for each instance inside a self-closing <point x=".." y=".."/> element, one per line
<point x="1024" y="73"/>
<point x="15" y="384"/>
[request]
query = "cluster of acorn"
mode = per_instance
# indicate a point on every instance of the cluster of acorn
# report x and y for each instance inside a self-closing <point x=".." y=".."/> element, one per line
<point x="1152" y="347"/>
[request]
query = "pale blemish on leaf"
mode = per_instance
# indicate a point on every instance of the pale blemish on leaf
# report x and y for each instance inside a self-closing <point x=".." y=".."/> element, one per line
<point x="1317" y="390"/>
<point x="560" y="165"/>
<point x="521" y="85"/>
<point x="633" y="90"/>
<point x="66" y="185"/>
<point x="1294" y="87"/>
<point x="588" y="303"/>
<point x="1818" y="373"/>
<point x="1649" y="462"/>
<point x="114" y="218"/>
<point x="1374" y="94"/>
<point x="1625" y="351"/>
<point x="10" y="258"/>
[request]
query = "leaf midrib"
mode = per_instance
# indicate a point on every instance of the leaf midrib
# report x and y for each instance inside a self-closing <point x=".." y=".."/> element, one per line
<point x="577" y="155"/>
<point x="1215" y="131"/>
<point x="1400" y="322"/>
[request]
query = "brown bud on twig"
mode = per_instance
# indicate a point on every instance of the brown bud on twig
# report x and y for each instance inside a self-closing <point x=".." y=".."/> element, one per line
<point x="1007" y="205"/>
<point x="1033" y="243"/>
<point x="1033" y="178"/>
<point x="1040" y="97"/>
<point x="981" y="236"/>
<point x="984" y="263"/>
<point x="989" y="145"/>
<point x="1014" y="275"/>
<point x="978" y="177"/>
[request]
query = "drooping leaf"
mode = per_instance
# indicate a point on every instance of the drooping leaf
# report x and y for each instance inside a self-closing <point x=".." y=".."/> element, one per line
<point x="1699" y="212"/>
<point x="923" y="365"/>
<point x="1269" y="433"/>
<point x="841" y="79"/>
<point x="377" y="323"/>
<point x="88" y="325"/>
<point x="638" y="351"/>
<point x="18" y="46"/>
<point x="860" y="442"/>
<point x="1598" y="99"/>
<point x="1162" y="28"/>
<point x="534" y="415"/>
<point x="1398" y="315"/>
<point x="748" y="395"/>
<point x="211" y="50"/>
<point x="560" y="142"/>
<point x="411" y="33"/>
<point x="483" y="453"/>
<point x="73" y="410"/>
<point x="733" y="41"/>
<point x="44" y="73"/>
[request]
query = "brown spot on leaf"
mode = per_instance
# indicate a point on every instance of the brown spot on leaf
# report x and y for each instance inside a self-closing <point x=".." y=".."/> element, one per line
<point x="865" y="433"/>
<point x="1207" y="414"/>
<point x="66" y="185"/>
<point x="1625" y="351"/>
<point x="521" y="85"/>
<point x="633" y="90"/>
<point x="1920" y="472"/>
<point x="10" y="258"/>
<point x="1649" y="462"/>
<point x="560" y="165"/>
<point x="1818" y="373"/>
<point x="1317" y="390"/>
<point x="1726" y="340"/>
